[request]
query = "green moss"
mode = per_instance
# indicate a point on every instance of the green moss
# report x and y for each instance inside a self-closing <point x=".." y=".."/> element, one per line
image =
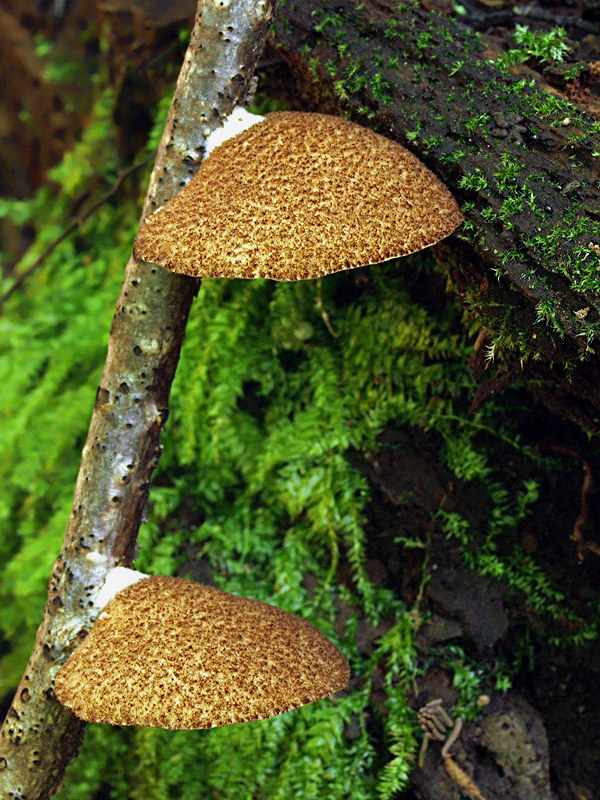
<point x="547" y="311"/>
<point x="453" y="157"/>
<point x="431" y="142"/>
<point x="326" y="19"/>
<point x="512" y="194"/>
<point x="542" y="46"/>
<point x="506" y="175"/>
<point x="276" y="385"/>
<point x="53" y="336"/>
<point x="476" y="181"/>
<point x="380" y="88"/>
<point x="313" y="68"/>
<point x="456" y="67"/>
<point x="390" y="31"/>
<point x="424" y="41"/>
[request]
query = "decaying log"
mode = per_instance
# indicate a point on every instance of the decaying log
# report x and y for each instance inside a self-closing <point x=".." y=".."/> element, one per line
<point x="522" y="161"/>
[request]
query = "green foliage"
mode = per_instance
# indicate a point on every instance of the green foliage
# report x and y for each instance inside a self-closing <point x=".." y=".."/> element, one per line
<point x="543" y="46"/>
<point x="398" y="647"/>
<point x="472" y="680"/>
<point x="275" y="384"/>
<point x="518" y="570"/>
<point x="476" y="181"/>
<point x="265" y="405"/>
<point x="508" y="172"/>
<point x="52" y="347"/>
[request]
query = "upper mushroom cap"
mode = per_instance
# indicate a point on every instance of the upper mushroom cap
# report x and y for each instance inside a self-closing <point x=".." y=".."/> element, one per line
<point x="298" y="196"/>
<point x="171" y="653"/>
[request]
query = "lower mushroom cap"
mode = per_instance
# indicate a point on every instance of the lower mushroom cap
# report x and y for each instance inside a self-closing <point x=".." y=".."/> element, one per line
<point x="172" y="653"/>
<point x="298" y="196"/>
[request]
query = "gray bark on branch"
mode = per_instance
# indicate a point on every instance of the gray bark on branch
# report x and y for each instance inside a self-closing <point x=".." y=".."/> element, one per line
<point x="40" y="737"/>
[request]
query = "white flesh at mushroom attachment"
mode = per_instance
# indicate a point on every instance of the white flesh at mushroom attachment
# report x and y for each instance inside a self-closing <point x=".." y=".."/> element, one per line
<point x="237" y="122"/>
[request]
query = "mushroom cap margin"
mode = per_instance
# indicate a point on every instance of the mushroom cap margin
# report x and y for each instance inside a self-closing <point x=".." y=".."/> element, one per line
<point x="171" y="653"/>
<point x="298" y="196"/>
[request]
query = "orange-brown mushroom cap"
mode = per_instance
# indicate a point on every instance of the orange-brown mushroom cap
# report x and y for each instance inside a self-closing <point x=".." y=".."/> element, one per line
<point x="172" y="653"/>
<point x="299" y="195"/>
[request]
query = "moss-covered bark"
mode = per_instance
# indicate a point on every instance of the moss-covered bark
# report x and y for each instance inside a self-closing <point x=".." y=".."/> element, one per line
<point x="522" y="162"/>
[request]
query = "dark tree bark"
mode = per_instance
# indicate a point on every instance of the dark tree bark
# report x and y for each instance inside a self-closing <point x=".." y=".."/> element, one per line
<point x="40" y="737"/>
<point x="519" y="159"/>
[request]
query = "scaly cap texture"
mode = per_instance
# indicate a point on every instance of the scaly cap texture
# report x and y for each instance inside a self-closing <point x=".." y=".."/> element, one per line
<point x="298" y="196"/>
<point x="171" y="653"/>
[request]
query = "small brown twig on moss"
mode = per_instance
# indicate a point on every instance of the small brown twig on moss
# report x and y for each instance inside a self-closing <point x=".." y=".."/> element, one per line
<point x="578" y="535"/>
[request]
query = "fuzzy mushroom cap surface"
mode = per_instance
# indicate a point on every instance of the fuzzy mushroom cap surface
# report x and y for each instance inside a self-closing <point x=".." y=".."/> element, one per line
<point x="297" y="196"/>
<point x="171" y="653"/>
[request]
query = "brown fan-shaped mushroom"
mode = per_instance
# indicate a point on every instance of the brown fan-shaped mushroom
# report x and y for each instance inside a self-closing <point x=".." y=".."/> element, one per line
<point x="299" y="195"/>
<point x="172" y="653"/>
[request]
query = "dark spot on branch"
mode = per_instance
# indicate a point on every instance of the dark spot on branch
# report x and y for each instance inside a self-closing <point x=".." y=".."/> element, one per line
<point x="102" y="397"/>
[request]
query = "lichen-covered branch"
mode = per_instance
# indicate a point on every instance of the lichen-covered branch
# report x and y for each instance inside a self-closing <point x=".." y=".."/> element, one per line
<point x="521" y="160"/>
<point x="40" y="737"/>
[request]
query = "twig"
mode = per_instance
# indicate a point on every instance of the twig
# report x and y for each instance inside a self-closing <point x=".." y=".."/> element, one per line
<point x="323" y="310"/>
<point x="466" y="784"/>
<point x="79" y="220"/>
<point x="423" y="750"/>
<point x="578" y="535"/>
<point x="452" y="738"/>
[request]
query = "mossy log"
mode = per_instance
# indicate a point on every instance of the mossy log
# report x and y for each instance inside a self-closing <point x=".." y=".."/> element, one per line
<point x="521" y="160"/>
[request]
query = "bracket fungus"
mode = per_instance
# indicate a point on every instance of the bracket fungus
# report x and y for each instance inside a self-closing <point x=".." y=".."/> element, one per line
<point x="172" y="653"/>
<point x="298" y="195"/>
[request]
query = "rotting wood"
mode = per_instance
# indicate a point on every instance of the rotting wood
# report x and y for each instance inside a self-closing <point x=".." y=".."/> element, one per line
<point x="40" y="737"/>
<point x="520" y="160"/>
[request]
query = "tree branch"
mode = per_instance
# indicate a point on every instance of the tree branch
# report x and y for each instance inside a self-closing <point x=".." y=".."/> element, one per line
<point x="39" y="736"/>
